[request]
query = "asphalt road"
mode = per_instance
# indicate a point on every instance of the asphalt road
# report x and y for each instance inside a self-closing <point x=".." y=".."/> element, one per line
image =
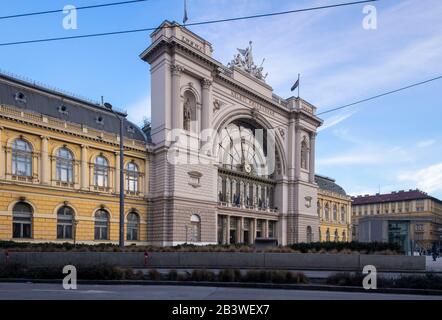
<point x="31" y="291"/>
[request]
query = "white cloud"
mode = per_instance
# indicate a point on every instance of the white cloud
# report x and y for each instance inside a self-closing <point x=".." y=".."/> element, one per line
<point x="138" y="110"/>
<point x="426" y="143"/>
<point x="334" y="120"/>
<point x="428" y="179"/>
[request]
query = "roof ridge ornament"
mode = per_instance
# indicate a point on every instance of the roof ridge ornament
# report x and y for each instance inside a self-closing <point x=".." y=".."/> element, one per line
<point x="244" y="61"/>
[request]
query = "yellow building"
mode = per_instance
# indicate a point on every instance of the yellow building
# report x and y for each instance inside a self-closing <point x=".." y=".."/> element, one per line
<point x="334" y="211"/>
<point x="410" y="218"/>
<point x="59" y="165"/>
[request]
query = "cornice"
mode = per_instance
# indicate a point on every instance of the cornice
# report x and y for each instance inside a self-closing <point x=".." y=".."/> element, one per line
<point x="33" y="121"/>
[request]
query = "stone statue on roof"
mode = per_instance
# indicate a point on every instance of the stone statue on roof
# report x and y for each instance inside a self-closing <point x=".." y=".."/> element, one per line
<point x="244" y="61"/>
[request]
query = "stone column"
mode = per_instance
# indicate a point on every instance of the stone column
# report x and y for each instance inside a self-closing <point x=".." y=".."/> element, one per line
<point x="206" y="114"/>
<point x="2" y="156"/>
<point x="241" y="230"/>
<point x="228" y="193"/>
<point x="233" y="192"/>
<point x="312" y="157"/>
<point x="146" y="175"/>
<point x="84" y="168"/>
<point x="298" y="153"/>
<point x="228" y="230"/>
<point x="220" y="188"/>
<point x="117" y="172"/>
<point x="254" y="230"/>
<point x="266" y="229"/>
<point x="177" y="110"/>
<point x="44" y="161"/>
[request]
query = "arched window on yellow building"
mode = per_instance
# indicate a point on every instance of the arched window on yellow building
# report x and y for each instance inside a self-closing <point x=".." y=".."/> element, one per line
<point x="101" y="225"/>
<point x="65" y="165"/>
<point x="343" y="214"/>
<point x="65" y="219"/>
<point x="21" y="158"/>
<point x="133" y="224"/>
<point x="22" y="220"/>
<point x="132" y="177"/>
<point x="101" y="172"/>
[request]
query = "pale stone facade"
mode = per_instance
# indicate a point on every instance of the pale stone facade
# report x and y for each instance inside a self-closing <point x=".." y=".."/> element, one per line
<point x="192" y="92"/>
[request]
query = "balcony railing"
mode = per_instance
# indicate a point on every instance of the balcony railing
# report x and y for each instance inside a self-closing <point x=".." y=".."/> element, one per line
<point x="247" y="207"/>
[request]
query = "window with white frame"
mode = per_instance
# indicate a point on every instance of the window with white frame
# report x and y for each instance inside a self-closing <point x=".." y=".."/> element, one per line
<point x="65" y="222"/>
<point x="21" y="158"/>
<point x="133" y="224"/>
<point x="101" y="172"/>
<point x="22" y="220"/>
<point x="132" y="177"/>
<point x="101" y="225"/>
<point x="65" y="165"/>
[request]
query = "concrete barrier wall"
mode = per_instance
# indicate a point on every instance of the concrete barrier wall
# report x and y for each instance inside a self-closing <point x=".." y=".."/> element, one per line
<point x="218" y="260"/>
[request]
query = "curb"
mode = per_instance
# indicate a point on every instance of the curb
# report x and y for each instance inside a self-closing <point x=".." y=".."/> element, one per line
<point x="312" y="287"/>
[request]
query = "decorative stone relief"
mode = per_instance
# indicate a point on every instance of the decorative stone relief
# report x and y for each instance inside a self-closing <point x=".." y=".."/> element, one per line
<point x="195" y="177"/>
<point x="217" y="104"/>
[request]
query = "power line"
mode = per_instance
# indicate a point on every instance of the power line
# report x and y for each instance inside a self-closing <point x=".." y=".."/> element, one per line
<point x="186" y="25"/>
<point x="380" y="95"/>
<point x="20" y="15"/>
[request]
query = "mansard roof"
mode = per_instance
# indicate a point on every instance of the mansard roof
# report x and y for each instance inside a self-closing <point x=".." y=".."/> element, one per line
<point x="395" y="196"/>
<point x="37" y="98"/>
<point x="329" y="184"/>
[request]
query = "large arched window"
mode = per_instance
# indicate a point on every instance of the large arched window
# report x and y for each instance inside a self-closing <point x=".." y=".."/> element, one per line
<point x="304" y="156"/>
<point x="195" y="228"/>
<point x="65" y="165"/>
<point x="335" y="213"/>
<point x="336" y="235"/>
<point x="101" y="225"/>
<point x="133" y="224"/>
<point x="318" y="209"/>
<point x="309" y="234"/>
<point x="344" y="236"/>
<point x="327" y="235"/>
<point x="22" y="220"/>
<point x="101" y="172"/>
<point x="21" y="158"/>
<point x="319" y="234"/>
<point x="132" y="177"/>
<point x="326" y="212"/>
<point x="65" y="222"/>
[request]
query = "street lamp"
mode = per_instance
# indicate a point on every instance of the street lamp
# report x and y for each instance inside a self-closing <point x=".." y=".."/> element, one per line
<point x="121" y="119"/>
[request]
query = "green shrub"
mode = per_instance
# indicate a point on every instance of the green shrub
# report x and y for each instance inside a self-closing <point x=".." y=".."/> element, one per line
<point x="172" y="275"/>
<point x="275" y="276"/>
<point x="154" y="275"/>
<point x="229" y="275"/>
<point x="202" y="275"/>
<point x="345" y="279"/>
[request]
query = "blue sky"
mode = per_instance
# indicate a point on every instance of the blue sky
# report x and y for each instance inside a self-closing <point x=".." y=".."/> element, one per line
<point x="391" y="143"/>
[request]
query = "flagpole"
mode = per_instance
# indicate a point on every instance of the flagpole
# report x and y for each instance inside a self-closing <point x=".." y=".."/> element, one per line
<point x="299" y="84"/>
